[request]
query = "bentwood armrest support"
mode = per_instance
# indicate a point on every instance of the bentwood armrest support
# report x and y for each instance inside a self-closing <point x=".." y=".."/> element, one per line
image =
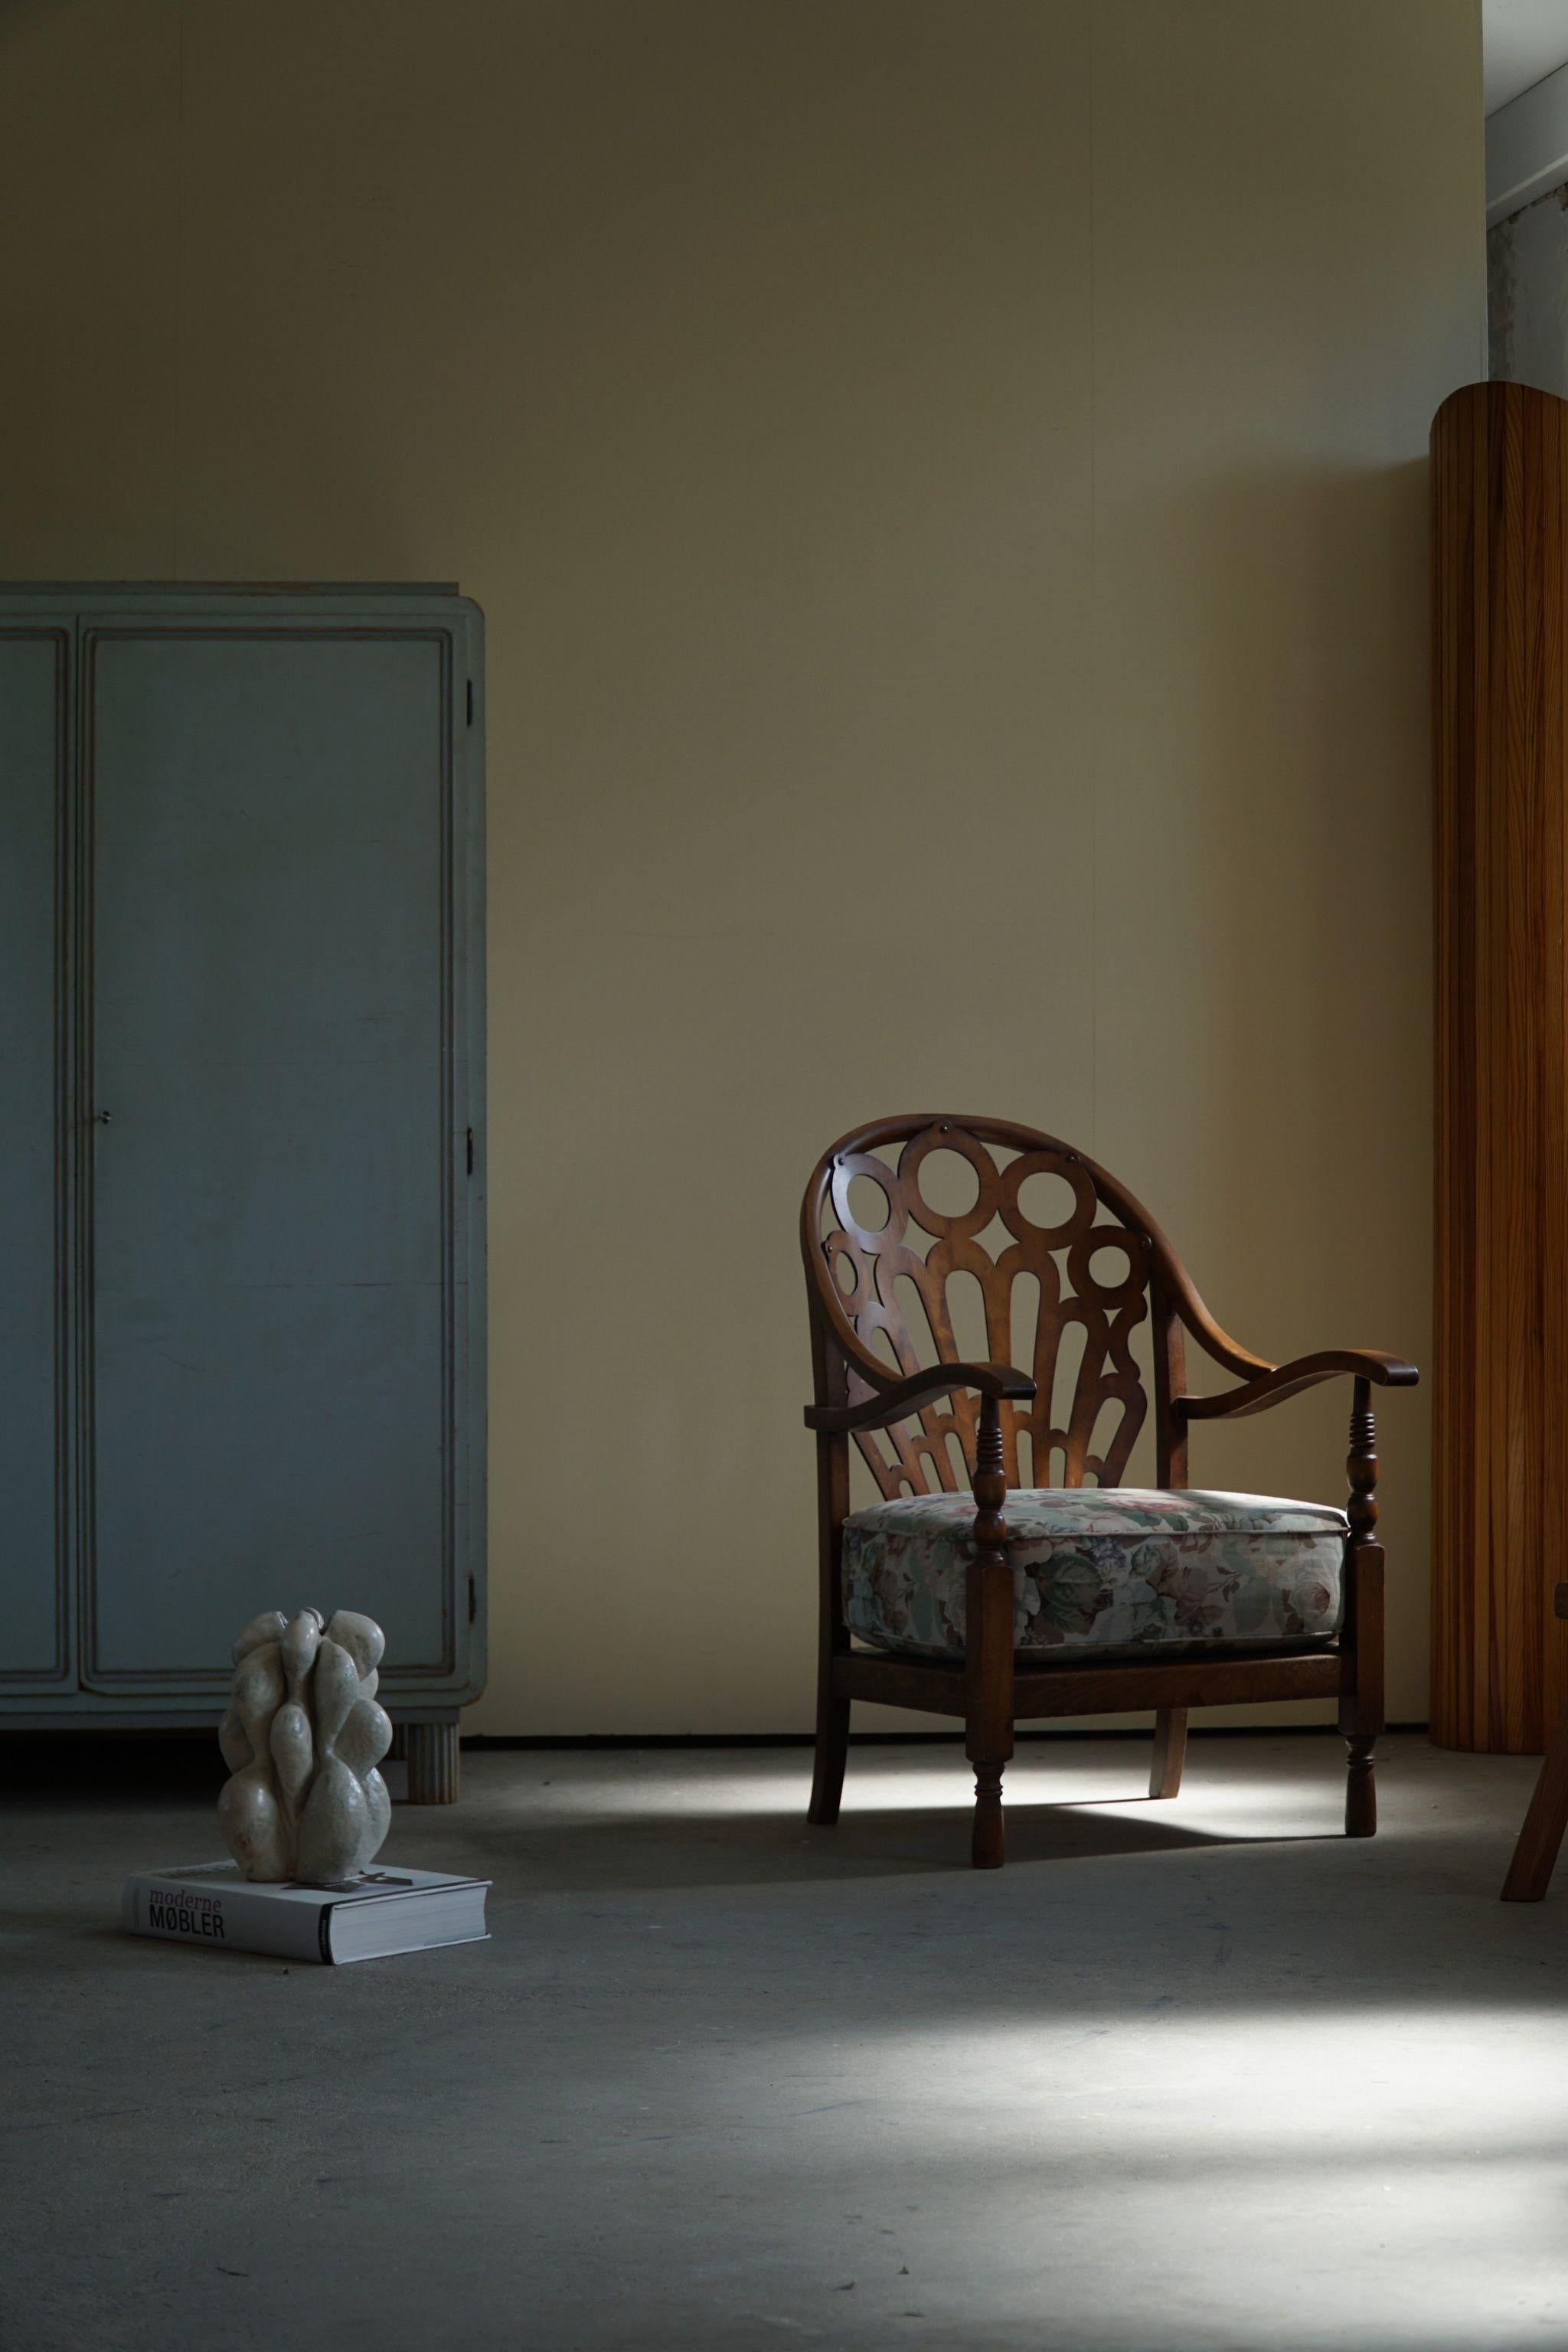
<point x="897" y="1397"/>
<point x="1276" y="1382"/>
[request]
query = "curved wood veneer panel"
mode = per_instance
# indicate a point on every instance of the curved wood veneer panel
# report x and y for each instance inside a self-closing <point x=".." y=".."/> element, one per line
<point x="1499" y="507"/>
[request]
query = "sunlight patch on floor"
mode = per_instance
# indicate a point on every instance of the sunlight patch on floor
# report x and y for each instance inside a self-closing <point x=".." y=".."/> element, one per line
<point x="1302" y="1800"/>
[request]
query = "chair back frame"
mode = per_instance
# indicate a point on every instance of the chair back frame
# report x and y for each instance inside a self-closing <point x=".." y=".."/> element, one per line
<point x="868" y="1285"/>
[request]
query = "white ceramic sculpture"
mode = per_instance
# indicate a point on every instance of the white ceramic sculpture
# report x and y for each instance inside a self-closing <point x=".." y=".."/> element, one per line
<point x="302" y="1738"/>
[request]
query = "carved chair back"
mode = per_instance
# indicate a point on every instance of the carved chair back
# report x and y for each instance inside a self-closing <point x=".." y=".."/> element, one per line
<point x="885" y="1267"/>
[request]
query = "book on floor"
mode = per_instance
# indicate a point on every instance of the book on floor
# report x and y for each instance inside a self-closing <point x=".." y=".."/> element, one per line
<point x="386" y="1911"/>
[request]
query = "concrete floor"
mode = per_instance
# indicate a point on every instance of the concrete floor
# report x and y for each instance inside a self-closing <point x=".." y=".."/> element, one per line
<point x="1184" y="2077"/>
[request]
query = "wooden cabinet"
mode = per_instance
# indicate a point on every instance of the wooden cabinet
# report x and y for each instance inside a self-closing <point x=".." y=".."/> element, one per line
<point x="241" y="1170"/>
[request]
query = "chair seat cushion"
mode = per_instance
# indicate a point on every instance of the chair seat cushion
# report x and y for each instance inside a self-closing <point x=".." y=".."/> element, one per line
<point x="1102" y="1569"/>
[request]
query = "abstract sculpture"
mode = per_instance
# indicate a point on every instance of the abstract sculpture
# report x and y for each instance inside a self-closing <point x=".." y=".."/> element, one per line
<point x="302" y="1738"/>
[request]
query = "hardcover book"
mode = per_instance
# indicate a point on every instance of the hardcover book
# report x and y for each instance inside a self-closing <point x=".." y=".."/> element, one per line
<point x="385" y="1912"/>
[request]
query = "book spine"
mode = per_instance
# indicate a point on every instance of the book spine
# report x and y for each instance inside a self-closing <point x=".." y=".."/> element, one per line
<point x="235" y="1920"/>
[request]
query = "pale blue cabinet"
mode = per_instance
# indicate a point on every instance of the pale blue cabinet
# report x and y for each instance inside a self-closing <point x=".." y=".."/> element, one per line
<point x="242" y="1154"/>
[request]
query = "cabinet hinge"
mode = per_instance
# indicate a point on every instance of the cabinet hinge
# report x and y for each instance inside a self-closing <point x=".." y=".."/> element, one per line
<point x="471" y="1151"/>
<point x="470" y="702"/>
<point x="473" y="1600"/>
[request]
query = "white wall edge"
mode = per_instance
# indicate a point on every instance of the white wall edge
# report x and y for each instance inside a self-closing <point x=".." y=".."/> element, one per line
<point x="1527" y="146"/>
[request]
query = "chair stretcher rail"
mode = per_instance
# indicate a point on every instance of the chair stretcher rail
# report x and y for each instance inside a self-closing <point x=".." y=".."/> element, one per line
<point x="939" y="1687"/>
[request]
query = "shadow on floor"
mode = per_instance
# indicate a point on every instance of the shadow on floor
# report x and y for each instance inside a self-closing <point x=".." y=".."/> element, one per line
<point x="541" y="1837"/>
<point x="688" y="1849"/>
<point x="43" y="1769"/>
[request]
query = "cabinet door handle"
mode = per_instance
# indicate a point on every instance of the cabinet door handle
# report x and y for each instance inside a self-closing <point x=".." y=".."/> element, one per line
<point x="100" y="1119"/>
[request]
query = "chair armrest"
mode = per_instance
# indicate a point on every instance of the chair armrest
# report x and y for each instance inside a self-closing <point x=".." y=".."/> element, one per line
<point x="1275" y="1382"/>
<point x="892" y="1401"/>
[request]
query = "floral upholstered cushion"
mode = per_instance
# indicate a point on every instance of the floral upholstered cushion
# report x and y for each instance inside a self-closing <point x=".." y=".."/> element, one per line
<point x="1101" y="1569"/>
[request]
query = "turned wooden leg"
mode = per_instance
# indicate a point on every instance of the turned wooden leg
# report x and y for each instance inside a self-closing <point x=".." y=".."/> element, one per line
<point x="1530" y="1872"/>
<point x="988" y="1646"/>
<point x="1361" y="1635"/>
<point x="832" y="1750"/>
<point x="988" y="1839"/>
<point x="833" y="1637"/>
<point x="1170" y="1750"/>
<point x="432" y="1749"/>
<point x="1361" y="1788"/>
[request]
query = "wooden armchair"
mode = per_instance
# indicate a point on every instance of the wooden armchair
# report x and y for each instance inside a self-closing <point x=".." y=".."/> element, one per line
<point x="1057" y="1597"/>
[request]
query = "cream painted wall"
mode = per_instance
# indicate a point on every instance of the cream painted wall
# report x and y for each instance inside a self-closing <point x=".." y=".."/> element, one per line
<point x="945" y="480"/>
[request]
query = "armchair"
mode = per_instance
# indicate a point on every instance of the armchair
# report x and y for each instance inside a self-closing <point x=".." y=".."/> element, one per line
<point x="1040" y="1595"/>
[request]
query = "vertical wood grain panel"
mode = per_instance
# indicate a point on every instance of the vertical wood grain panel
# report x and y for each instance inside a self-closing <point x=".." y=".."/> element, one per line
<point x="1500" y="1393"/>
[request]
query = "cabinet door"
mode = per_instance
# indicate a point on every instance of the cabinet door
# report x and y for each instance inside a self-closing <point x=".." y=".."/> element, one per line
<point x="34" y="1147"/>
<point x="273" y="1156"/>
